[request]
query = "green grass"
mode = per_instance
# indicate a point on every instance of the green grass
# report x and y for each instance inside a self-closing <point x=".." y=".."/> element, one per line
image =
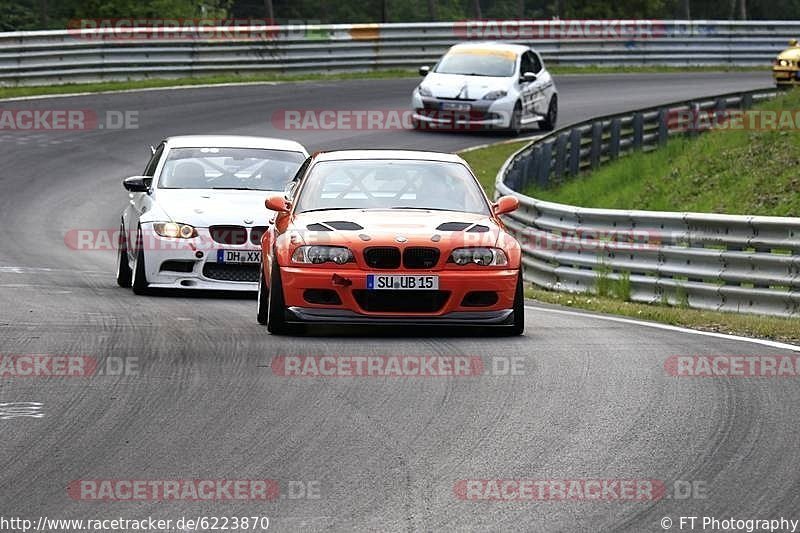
<point x="14" y="92"/>
<point x="486" y="162"/>
<point x="775" y="328"/>
<point x="725" y="171"/>
<point x="644" y="69"/>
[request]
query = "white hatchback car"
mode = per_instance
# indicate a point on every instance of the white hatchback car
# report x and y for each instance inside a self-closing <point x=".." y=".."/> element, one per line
<point x="486" y="85"/>
<point x="196" y="216"/>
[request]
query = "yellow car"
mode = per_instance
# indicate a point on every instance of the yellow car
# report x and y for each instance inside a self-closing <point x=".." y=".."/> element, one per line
<point x="786" y="67"/>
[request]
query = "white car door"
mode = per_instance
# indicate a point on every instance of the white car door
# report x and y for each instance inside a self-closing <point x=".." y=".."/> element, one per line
<point x="527" y="89"/>
<point x="141" y="202"/>
<point x="538" y="88"/>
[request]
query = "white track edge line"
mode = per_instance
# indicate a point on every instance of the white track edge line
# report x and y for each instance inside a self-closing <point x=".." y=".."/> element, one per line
<point x="669" y="327"/>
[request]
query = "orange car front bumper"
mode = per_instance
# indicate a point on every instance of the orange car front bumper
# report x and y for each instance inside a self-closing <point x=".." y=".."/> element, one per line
<point x="341" y="296"/>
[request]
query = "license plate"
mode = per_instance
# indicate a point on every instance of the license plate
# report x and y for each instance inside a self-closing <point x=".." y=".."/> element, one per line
<point x="239" y="256"/>
<point x="378" y="282"/>
<point x="452" y="106"/>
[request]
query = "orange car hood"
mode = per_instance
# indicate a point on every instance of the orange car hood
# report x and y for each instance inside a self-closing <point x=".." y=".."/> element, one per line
<point x="384" y="227"/>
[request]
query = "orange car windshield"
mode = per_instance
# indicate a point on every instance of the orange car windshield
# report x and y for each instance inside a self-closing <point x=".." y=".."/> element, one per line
<point x="391" y="184"/>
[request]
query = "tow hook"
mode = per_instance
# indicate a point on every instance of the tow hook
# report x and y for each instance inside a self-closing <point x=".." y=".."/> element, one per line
<point x="340" y="281"/>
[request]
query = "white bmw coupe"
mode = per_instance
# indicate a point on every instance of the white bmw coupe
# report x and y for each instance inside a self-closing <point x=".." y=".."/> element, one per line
<point x="196" y="215"/>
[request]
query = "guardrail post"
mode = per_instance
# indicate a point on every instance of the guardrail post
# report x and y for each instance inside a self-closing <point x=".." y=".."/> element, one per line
<point x="544" y="163"/>
<point x="613" y="147"/>
<point x="638" y="130"/>
<point x="574" y="152"/>
<point x="532" y="172"/>
<point x="695" y="114"/>
<point x="663" y="126"/>
<point x="597" y="144"/>
<point x="561" y="155"/>
<point x="746" y="101"/>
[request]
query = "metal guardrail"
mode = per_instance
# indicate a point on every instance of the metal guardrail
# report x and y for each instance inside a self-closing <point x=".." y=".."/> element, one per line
<point x="707" y="261"/>
<point x="70" y="56"/>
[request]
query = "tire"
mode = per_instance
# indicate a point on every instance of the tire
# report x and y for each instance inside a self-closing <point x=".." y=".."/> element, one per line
<point x="124" y="272"/>
<point x="517" y="327"/>
<point x="139" y="281"/>
<point x="515" y="124"/>
<point x="549" y="122"/>
<point x="263" y="298"/>
<point x="276" y="308"/>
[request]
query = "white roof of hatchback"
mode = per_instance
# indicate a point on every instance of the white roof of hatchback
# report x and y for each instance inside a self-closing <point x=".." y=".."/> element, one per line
<point x="492" y="45"/>
<point x="233" y="141"/>
<point x="412" y="155"/>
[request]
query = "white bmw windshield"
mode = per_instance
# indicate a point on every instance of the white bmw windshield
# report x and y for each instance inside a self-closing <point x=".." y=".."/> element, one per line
<point x="229" y="168"/>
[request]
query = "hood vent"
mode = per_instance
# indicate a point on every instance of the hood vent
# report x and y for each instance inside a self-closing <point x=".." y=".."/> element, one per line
<point x="477" y="228"/>
<point x="318" y="227"/>
<point x="453" y="226"/>
<point x="342" y="225"/>
<point x="462" y="226"/>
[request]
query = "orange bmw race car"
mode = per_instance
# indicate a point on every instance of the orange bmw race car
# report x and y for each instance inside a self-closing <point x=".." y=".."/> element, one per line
<point x="389" y="237"/>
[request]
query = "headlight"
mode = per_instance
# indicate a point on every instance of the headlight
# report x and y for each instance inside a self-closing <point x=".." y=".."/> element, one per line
<point x="424" y="91"/>
<point x="316" y="255"/>
<point x="784" y="62"/>
<point x="175" y="230"/>
<point x="494" y="95"/>
<point x="478" y="256"/>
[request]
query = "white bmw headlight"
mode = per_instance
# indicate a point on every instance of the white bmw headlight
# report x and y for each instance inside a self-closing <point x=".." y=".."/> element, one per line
<point x="476" y="255"/>
<point x="316" y="255"/>
<point x="424" y="91"/>
<point x="494" y="95"/>
<point x="175" y="230"/>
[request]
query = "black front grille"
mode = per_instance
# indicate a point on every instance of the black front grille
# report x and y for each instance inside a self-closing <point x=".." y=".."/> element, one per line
<point x="401" y="301"/>
<point x="420" y="257"/>
<point x="322" y="297"/>
<point x="479" y="299"/>
<point x="224" y="272"/>
<point x="228" y="234"/>
<point x="177" y="266"/>
<point x="382" y="257"/>
<point x="256" y="233"/>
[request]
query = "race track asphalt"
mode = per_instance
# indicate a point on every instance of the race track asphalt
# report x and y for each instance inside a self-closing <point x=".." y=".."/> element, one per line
<point x="591" y="401"/>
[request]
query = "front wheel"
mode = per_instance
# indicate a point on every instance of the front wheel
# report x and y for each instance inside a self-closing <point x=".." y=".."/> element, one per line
<point x="139" y="282"/>
<point x="263" y="296"/>
<point x="549" y="122"/>
<point x="515" y="124"/>
<point x="518" y="325"/>
<point x="124" y="272"/>
<point x="276" y="308"/>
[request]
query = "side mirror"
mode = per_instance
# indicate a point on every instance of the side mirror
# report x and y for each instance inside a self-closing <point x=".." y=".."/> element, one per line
<point x="505" y="204"/>
<point x="793" y="42"/>
<point x="137" y="183"/>
<point x="527" y="77"/>
<point x="423" y="71"/>
<point x="278" y="203"/>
